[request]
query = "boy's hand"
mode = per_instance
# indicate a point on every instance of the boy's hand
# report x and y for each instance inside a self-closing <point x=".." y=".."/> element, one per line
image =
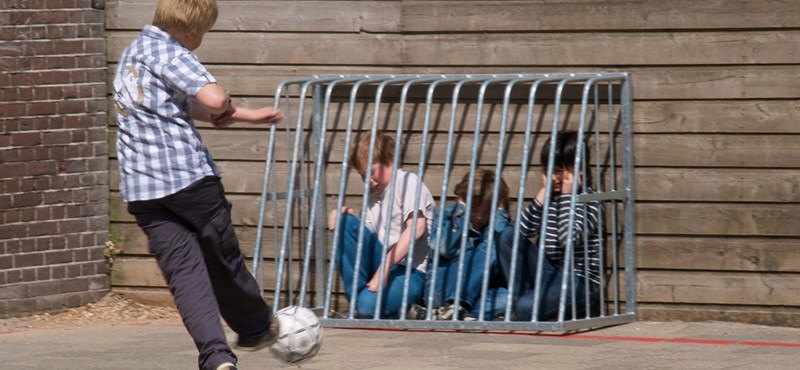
<point x="266" y="115"/>
<point x="334" y="215"/>
<point x="223" y="119"/>
<point x="373" y="284"/>
<point x="234" y="113"/>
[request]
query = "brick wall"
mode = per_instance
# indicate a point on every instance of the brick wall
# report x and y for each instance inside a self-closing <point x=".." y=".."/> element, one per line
<point x="53" y="155"/>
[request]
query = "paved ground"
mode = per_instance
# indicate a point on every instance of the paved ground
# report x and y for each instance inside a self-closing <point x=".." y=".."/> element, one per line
<point x="163" y="344"/>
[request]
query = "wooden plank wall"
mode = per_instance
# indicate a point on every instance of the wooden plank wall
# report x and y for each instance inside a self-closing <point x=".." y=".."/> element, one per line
<point x="716" y="118"/>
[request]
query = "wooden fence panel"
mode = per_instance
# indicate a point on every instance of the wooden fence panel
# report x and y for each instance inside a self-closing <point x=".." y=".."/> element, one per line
<point x="717" y="140"/>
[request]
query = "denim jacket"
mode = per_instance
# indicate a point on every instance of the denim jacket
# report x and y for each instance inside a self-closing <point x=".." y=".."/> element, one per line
<point x="449" y="236"/>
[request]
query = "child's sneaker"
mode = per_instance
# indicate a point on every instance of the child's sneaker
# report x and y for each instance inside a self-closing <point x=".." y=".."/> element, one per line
<point x="447" y="313"/>
<point x="251" y="345"/>
<point x="416" y="312"/>
<point x="227" y="366"/>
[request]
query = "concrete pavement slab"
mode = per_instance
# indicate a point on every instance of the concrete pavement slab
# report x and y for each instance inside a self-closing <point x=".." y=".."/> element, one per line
<point x="164" y="344"/>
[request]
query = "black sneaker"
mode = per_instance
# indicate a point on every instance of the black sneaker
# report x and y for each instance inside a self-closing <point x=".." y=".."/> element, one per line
<point x="252" y="345"/>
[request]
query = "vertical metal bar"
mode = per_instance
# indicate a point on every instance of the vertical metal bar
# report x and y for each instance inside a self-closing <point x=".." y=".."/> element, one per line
<point x="287" y="228"/>
<point x="547" y="198"/>
<point x="521" y="190"/>
<point x="448" y="160"/>
<point x="601" y="221"/>
<point x="359" y="80"/>
<point x="568" y="275"/>
<point x="470" y="188"/>
<point x="612" y="149"/>
<point x="420" y="177"/>
<point x="627" y="167"/>
<point x="316" y="228"/>
<point x="395" y="165"/>
<point x="258" y="261"/>
<point x="367" y="176"/>
<point x="436" y="241"/>
<point x="495" y="195"/>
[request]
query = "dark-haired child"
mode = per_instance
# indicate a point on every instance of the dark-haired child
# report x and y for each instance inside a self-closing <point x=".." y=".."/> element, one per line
<point x="585" y="239"/>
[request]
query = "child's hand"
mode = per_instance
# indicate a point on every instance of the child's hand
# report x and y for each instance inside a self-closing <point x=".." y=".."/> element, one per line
<point x="266" y="115"/>
<point x="542" y="190"/>
<point x="373" y="284"/>
<point x="334" y="215"/>
<point x="566" y="182"/>
<point x="262" y="115"/>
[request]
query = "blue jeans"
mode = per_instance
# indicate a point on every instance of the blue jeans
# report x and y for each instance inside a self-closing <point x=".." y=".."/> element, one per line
<point x="550" y="289"/>
<point x="471" y="280"/>
<point x="371" y="254"/>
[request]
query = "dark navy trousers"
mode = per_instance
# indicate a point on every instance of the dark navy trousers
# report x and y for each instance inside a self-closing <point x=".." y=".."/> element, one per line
<point x="191" y="234"/>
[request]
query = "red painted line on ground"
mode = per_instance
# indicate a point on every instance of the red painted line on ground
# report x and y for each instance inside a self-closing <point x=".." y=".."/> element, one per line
<point x="719" y="342"/>
<point x="770" y="344"/>
<point x="614" y="338"/>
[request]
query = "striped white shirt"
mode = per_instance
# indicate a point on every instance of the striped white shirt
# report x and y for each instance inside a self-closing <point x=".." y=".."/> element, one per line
<point x="586" y="227"/>
<point x="159" y="148"/>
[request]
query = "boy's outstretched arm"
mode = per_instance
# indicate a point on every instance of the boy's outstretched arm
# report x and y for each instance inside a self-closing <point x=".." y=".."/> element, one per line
<point x="214" y="99"/>
<point x="400" y="250"/>
<point x="215" y="106"/>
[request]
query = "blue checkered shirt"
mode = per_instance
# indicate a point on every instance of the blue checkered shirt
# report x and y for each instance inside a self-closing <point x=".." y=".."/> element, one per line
<point x="159" y="148"/>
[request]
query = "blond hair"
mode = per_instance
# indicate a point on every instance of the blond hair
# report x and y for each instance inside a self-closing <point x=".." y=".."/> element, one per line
<point x="186" y="16"/>
<point x="383" y="154"/>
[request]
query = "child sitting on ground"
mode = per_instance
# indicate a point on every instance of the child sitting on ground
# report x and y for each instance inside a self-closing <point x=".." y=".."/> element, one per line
<point x="404" y="217"/>
<point x="476" y="246"/>
<point x="585" y="239"/>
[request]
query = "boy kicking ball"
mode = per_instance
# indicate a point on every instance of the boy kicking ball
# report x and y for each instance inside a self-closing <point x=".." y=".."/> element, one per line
<point x="172" y="186"/>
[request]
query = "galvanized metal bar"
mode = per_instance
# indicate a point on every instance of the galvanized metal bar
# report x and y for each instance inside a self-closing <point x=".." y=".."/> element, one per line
<point x="435" y="241"/>
<point x="538" y="81"/>
<point x="448" y="162"/>
<point x="495" y="196"/>
<point x="601" y="190"/>
<point x="287" y="229"/>
<point x="316" y="229"/>
<point x="395" y="165"/>
<point x="614" y="205"/>
<point x="367" y="175"/>
<point x="630" y="220"/>
<point x="470" y="187"/>
<point x="481" y="326"/>
<point x="256" y="269"/>
<point x="420" y="176"/>
<point x="546" y="210"/>
<point x="343" y="179"/>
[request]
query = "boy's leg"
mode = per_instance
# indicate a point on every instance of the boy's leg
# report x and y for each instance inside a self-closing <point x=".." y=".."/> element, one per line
<point x="346" y="251"/>
<point x="472" y="280"/>
<point x="549" y="296"/>
<point x="526" y="266"/>
<point x="180" y="258"/>
<point x="495" y="304"/>
<point x="442" y="282"/>
<point x="203" y="206"/>
<point x="392" y="297"/>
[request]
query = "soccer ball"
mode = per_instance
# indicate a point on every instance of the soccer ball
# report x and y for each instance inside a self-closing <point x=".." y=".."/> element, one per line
<point x="300" y="334"/>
